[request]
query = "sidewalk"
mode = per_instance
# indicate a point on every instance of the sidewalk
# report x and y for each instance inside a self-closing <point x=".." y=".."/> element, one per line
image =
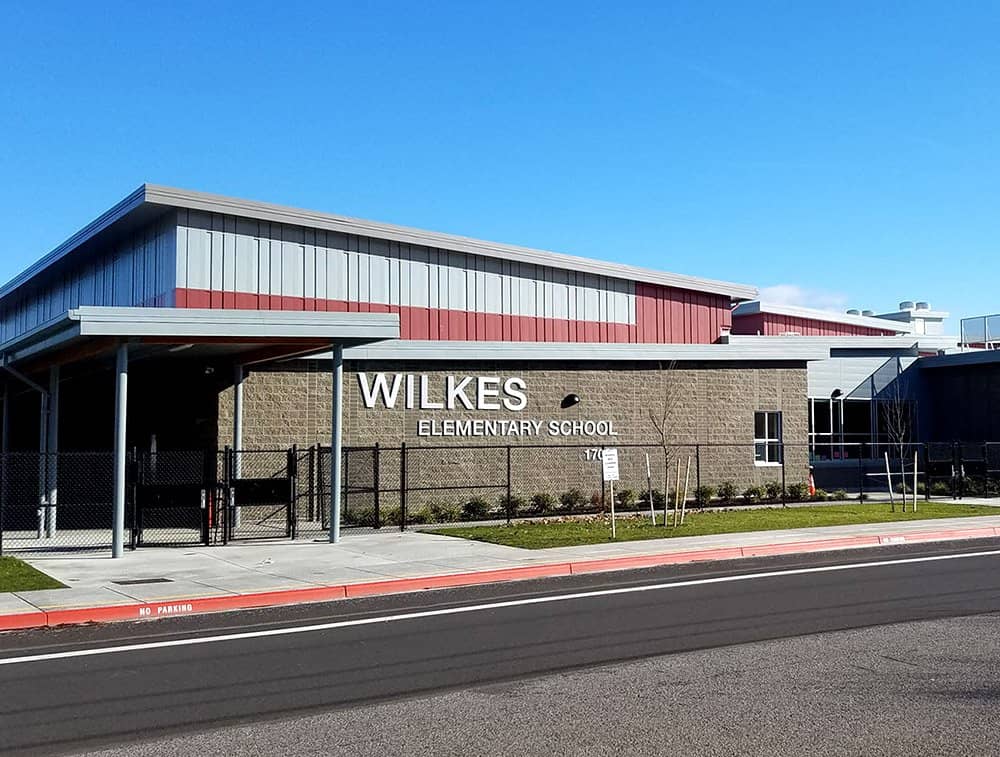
<point x="158" y="582"/>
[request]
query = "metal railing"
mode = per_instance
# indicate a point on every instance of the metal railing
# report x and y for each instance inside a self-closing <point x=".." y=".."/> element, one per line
<point x="980" y="332"/>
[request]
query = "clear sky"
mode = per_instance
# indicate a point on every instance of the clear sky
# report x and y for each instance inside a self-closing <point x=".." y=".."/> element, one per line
<point x="840" y="154"/>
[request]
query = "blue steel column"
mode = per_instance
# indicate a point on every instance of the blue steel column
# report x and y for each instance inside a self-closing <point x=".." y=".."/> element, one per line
<point x="335" y="441"/>
<point x="121" y="406"/>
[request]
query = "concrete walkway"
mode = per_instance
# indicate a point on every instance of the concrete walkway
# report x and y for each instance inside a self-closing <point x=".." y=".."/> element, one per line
<point x="385" y="562"/>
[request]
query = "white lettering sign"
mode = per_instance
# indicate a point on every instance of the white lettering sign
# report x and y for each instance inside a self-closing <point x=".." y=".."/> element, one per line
<point x="503" y="427"/>
<point x="485" y="394"/>
<point x="455" y="392"/>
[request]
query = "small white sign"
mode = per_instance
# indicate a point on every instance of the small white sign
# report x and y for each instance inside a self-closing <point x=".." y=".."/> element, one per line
<point x="609" y="462"/>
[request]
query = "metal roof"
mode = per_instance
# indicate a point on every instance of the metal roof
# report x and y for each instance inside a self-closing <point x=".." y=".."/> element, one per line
<point x="813" y="314"/>
<point x="160" y="197"/>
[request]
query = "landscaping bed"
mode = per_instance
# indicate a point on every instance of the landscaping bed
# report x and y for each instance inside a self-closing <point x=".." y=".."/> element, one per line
<point x="564" y="532"/>
<point x="16" y="575"/>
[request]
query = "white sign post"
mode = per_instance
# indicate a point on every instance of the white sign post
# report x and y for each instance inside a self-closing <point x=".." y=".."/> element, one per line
<point x="609" y="465"/>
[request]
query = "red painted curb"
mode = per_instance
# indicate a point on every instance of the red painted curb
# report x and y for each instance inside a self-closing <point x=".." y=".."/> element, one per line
<point x="22" y="620"/>
<point x="398" y="585"/>
<point x="817" y="545"/>
<point x="151" y="610"/>
<point x="649" y="561"/>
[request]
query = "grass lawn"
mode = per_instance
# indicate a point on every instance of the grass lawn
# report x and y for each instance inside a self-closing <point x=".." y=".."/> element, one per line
<point x="539" y="535"/>
<point x="19" y="576"/>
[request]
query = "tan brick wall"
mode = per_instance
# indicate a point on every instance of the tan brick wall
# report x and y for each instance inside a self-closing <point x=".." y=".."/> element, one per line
<point x="710" y="404"/>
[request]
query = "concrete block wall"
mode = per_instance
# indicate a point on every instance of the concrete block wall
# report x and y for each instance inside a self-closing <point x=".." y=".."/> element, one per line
<point x="709" y="404"/>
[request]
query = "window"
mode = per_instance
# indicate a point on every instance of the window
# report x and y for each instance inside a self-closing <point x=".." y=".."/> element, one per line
<point x="767" y="438"/>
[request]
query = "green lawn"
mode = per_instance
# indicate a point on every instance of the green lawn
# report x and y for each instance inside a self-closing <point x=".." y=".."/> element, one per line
<point x="19" y="576"/>
<point x="539" y="535"/>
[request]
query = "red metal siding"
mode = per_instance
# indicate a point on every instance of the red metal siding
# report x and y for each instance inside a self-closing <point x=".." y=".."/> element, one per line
<point x="773" y="324"/>
<point x="663" y="315"/>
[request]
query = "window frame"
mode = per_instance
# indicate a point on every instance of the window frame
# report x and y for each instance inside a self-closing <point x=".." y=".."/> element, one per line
<point x="773" y="438"/>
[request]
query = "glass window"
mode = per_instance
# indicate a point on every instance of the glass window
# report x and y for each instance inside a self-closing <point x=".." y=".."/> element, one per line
<point x="767" y="437"/>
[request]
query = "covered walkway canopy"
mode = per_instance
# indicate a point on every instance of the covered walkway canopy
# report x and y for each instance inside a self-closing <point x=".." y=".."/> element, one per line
<point x="242" y="337"/>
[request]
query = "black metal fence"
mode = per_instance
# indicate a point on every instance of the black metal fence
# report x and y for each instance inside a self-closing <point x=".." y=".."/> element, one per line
<point x="64" y="501"/>
<point x="386" y="487"/>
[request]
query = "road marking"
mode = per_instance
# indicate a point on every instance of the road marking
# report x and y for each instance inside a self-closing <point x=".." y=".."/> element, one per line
<point x="479" y="608"/>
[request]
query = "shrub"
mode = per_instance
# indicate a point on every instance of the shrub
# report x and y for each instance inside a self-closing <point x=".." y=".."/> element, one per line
<point x="772" y="489"/>
<point x="596" y="500"/>
<point x="941" y="489"/>
<point x="625" y="498"/>
<point x="513" y="504"/>
<point x="727" y="491"/>
<point x="572" y="499"/>
<point x="839" y="495"/>
<point x="391" y="516"/>
<point x="476" y="508"/>
<point x="444" y="513"/>
<point x="820" y="496"/>
<point x="418" y="517"/>
<point x="973" y="486"/>
<point x="658" y="499"/>
<point x="543" y="503"/>
<point x="754" y="493"/>
<point x="703" y="495"/>
<point x="798" y="491"/>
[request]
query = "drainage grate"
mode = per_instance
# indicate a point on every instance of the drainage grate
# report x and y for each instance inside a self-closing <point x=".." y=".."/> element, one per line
<point x="137" y="581"/>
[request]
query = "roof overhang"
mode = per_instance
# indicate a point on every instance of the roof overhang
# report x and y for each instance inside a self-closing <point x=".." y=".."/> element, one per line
<point x="245" y="336"/>
<point x="571" y="353"/>
<point x="151" y="201"/>
<point x="869" y="322"/>
<point x="961" y="359"/>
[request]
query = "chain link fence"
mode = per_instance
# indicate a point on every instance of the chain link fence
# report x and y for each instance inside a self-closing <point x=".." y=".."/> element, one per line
<point x="55" y="502"/>
<point x="51" y="503"/>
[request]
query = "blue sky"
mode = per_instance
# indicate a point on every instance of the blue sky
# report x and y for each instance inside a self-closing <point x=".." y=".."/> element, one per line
<point x="846" y="153"/>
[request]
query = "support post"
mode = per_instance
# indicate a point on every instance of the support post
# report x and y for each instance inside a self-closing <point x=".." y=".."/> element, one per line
<point x="121" y="407"/>
<point x="861" y="473"/>
<point x="52" y="453"/>
<point x="402" y="486"/>
<point x="43" y="448"/>
<point x="336" y="442"/>
<point x="784" y="499"/>
<point x="238" y="376"/>
<point x="509" y="503"/>
<point x="377" y="486"/>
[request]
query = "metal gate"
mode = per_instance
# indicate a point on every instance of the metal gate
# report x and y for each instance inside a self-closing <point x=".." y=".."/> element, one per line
<point x="172" y="496"/>
<point x="259" y="490"/>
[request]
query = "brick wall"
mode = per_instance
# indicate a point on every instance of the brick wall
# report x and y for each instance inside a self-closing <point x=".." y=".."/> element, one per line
<point x="710" y="404"/>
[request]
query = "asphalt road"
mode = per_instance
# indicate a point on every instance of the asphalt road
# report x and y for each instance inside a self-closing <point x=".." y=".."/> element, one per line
<point x="185" y="679"/>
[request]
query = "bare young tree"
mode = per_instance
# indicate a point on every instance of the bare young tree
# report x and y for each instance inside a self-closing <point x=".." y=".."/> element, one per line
<point x="663" y="422"/>
<point x="897" y="411"/>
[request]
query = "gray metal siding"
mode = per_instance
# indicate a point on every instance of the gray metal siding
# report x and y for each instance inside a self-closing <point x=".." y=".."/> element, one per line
<point x="140" y="270"/>
<point x="223" y="254"/>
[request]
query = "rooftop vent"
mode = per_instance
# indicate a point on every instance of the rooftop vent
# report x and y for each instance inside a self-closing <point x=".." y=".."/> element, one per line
<point x="906" y="305"/>
<point x="923" y="306"/>
<point x="868" y="313"/>
<point x="854" y="311"/>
